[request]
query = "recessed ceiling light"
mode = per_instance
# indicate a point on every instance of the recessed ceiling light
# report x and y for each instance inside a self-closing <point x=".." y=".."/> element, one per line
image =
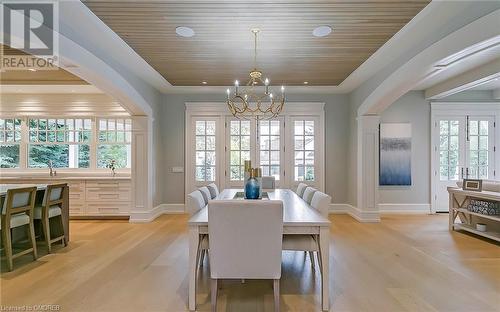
<point x="322" y="31"/>
<point x="306" y="82"/>
<point x="32" y="69"/>
<point x="204" y="82"/>
<point x="184" y="31"/>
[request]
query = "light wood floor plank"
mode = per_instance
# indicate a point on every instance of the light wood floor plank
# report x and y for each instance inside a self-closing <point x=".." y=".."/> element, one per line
<point x="404" y="263"/>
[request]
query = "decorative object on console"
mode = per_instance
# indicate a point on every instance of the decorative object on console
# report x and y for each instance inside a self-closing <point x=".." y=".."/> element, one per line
<point x="472" y="185"/>
<point x="484" y="207"/>
<point x="481" y="227"/>
<point x="395" y="154"/>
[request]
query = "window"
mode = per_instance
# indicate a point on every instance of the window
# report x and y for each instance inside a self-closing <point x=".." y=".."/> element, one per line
<point x="205" y="150"/>
<point x="449" y="150"/>
<point x="114" y="143"/>
<point x="478" y="149"/>
<point x="239" y="149"/>
<point x="10" y="137"/>
<point x="303" y="138"/>
<point x="64" y="142"/>
<point x="270" y="147"/>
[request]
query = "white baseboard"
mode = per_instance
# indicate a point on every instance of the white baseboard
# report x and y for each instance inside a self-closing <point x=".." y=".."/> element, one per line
<point x="404" y="208"/>
<point x="148" y="216"/>
<point x="355" y="212"/>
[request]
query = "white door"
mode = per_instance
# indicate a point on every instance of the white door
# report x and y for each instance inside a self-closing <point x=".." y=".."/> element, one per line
<point x="449" y="155"/>
<point x="463" y="148"/>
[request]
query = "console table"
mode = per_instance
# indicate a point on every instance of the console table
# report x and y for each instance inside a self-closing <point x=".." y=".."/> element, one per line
<point x="467" y="220"/>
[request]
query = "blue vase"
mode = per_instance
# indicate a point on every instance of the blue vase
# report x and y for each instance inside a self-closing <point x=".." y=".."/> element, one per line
<point x="252" y="189"/>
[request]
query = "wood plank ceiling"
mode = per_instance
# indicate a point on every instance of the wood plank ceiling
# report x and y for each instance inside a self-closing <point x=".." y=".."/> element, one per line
<point x="57" y="76"/>
<point x="222" y="49"/>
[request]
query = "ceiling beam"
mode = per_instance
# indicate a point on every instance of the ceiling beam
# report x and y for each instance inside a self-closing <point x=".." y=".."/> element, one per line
<point x="470" y="79"/>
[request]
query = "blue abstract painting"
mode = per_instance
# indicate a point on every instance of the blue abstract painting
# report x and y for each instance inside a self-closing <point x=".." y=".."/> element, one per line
<point x="395" y="154"/>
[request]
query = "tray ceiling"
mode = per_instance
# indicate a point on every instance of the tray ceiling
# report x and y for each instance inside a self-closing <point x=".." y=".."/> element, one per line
<point x="222" y="49"/>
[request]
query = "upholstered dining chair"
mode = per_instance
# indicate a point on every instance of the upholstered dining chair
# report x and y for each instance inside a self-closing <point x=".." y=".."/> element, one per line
<point x="268" y="183"/>
<point x="308" y="194"/>
<point x="206" y="193"/>
<point x="195" y="202"/>
<point x="18" y="211"/>
<point x="214" y="190"/>
<point x="305" y="242"/>
<point x="51" y="208"/>
<point x="300" y="189"/>
<point x="245" y="242"/>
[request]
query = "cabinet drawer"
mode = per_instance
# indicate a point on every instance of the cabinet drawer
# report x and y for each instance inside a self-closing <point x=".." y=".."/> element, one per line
<point x="76" y="208"/>
<point x="109" y="184"/>
<point x="107" y="194"/>
<point x="111" y="208"/>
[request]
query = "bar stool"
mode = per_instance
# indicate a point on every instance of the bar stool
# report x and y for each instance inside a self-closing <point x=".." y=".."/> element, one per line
<point x="51" y="208"/>
<point x="18" y="211"/>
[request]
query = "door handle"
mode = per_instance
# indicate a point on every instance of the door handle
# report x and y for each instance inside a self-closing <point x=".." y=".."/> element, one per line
<point x="462" y="173"/>
<point x="467" y="172"/>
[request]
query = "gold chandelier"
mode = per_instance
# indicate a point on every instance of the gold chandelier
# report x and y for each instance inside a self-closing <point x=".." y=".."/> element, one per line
<point x="249" y="102"/>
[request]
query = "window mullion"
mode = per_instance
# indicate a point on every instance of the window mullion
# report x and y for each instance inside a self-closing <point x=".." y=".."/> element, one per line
<point x="23" y="144"/>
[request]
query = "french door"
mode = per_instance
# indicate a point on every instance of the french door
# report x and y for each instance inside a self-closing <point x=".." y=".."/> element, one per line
<point x="463" y="148"/>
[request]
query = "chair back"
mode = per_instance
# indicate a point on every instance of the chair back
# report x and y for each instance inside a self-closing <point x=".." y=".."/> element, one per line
<point x="19" y="200"/>
<point x="206" y="194"/>
<point x="54" y="195"/>
<point x="195" y="202"/>
<point x="214" y="190"/>
<point x="300" y="189"/>
<point x="245" y="239"/>
<point x="321" y="202"/>
<point x="308" y="194"/>
<point x="269" y="183"/>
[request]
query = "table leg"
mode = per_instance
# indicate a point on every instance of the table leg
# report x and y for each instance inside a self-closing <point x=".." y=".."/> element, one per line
<point x="324" y="245"/>
<point x="194" y="240"/>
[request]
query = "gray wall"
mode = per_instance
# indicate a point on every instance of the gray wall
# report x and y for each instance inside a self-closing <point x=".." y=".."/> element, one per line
<point x="413" y="108"/>
<point x="172" y="115"/>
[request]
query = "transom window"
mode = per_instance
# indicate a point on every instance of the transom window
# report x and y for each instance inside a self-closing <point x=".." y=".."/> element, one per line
<point x="10" y="137"/>
<point x="205" y="154"/>
<point x="304" y="150"/>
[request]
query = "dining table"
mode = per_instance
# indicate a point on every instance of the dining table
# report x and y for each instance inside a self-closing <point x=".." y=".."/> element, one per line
<point x="40" y="191"/>
<point x="298" y="218"/>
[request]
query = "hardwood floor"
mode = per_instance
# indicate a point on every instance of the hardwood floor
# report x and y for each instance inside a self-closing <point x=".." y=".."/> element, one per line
<point x="404" y="263"/>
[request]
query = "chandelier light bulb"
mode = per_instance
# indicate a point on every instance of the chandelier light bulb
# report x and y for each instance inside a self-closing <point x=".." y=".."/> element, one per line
<point x="266" y="82"/>
<point x="271" y="95"/>
<point x="236" y="83"/>
<point x="282" y="89"/>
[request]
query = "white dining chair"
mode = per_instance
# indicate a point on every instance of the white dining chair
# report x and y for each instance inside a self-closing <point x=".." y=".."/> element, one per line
<point x="300" y="189"/>
<point x="268" y="183"/>
<point x="206" y="194"/>
<point x="195" y="202"/>
<point x="321" y="202"/>
<point x="245" y="242"/>
<point x="214" y="190"/>
<point x="308" y="194"/>
<point x="305" y="242"/>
